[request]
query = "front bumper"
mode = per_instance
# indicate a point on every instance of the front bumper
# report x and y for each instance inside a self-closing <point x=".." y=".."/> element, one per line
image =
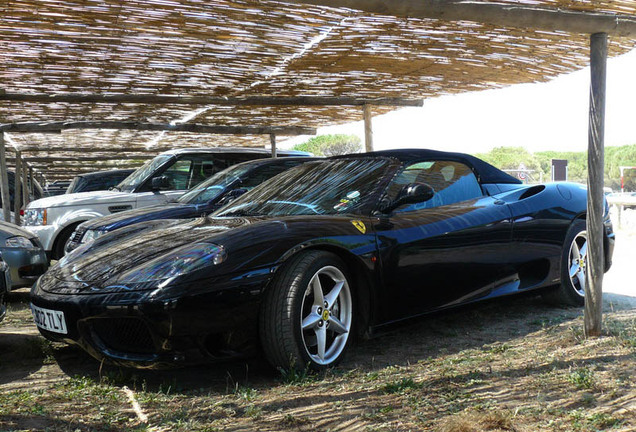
<point x="46" y="234"/>
<point x="141" y="329"/>
<point x="25" y="265"/>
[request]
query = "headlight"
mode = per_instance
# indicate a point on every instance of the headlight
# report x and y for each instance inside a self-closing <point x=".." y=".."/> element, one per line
<point x="181" y="261"/>
<point x="18" y="242"/>
<point x="91" y="235"/>
<point x="35" y="217"/>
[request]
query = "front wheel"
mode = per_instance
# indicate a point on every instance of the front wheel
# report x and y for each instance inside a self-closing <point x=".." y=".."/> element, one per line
<point x="307" y="315"/>
<point x="571" y="291"/>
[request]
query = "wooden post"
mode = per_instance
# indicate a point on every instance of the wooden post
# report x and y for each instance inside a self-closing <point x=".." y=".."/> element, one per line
<point x="17" y="189"/>
<point x="272" y="139"/>
<point x="368" y="129"/>
<point x="4" y="182"/>
<point x="595" y="207"/>
<point x="31" y="179"/>
<point x="25" y="184"/>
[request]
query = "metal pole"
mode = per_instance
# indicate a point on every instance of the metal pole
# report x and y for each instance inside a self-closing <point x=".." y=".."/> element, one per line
<point x="272" y="139"/>
<point x="368" y="129"/>
<point x="595" y="207"/>
<point x="4" y="182"/>
<point x="17" y="188"/>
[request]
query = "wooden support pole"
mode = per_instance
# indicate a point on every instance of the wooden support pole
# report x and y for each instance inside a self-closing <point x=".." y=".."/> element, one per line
<point x="4" y="182"/>
<point x="368" y="129"/>
<point x="31" y="178"/>
<point x="272" y="139"/>
<point x="25" y="184"/>
<point x="17" y="191"/>
<point x="595" y="207"/>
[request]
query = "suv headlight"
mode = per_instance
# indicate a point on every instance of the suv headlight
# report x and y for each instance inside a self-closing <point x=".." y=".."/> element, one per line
<point x="35" y="217"/>
<point x="91" y="235"/>
<point x="18" y="242"/>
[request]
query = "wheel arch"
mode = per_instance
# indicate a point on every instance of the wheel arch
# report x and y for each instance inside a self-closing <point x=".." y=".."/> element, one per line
<point x="364" y="285"/>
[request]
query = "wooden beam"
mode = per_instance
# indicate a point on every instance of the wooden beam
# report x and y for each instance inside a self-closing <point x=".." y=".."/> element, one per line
<point x="119" y="150"/>
<point x="595" y="176"/>
<point x="17" y="192"/>
<point x="368" y="129"/>
<point x="4" y="182"/>
<point x="84" y="158"/>
<point x="499" y="14"/>
<point x="180" y="127"/>
<point x="207" y="100"/>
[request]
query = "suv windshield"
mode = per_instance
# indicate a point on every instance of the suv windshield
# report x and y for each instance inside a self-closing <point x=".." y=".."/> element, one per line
<point x="130" y="183"/>
<point x="331" y="187"/>
<point x="214" y="186"/>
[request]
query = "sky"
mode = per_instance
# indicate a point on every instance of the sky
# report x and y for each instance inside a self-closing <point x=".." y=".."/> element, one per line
<point x="541" y="116"/>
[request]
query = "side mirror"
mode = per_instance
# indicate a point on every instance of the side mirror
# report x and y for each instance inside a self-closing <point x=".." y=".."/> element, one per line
<point x="159" y="183"/>
<point x="411" y="193"/>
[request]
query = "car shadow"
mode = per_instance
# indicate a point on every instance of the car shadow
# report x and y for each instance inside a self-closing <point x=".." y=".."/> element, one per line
<point x="469" y="327"/>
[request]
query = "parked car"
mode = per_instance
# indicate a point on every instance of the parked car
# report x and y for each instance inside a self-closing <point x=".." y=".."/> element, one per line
<point x="201" y="200"/>
<point x="324" y="251"/>
<point x="160" y="180"/>
<point x="98" y="180"/>
<point x="23" y="254"/>
<point x="57" y="187"/>
<point x="624" y="199"/>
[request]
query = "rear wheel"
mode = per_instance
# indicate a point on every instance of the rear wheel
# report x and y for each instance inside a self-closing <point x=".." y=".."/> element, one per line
<point x="571" y="291"/>
<point x="307" y="315"/>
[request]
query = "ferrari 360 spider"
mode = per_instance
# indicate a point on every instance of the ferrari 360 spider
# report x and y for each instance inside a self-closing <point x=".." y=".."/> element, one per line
<point x="324" y="252"/>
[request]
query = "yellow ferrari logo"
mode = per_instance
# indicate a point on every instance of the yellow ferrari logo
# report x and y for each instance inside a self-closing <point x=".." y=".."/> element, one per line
<point x="325" y="315"/>
<point x="360" y="225"/>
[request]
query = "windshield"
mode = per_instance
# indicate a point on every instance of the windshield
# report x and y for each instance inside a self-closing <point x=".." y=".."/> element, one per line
<point x="130" y="183"/>
<point x="337" y="186"/>
<point x="214" y="186"/>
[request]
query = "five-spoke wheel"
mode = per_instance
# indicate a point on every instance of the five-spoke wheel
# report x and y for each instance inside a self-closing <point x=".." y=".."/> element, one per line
<point x="571" y="291"/>
<point x="307" y="314"/>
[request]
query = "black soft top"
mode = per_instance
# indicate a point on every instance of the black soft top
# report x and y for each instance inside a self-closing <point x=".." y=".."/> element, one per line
<point x="486" y="172"/>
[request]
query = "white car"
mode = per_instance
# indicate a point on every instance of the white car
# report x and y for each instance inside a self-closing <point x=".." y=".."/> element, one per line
<point x="162" y="179"/>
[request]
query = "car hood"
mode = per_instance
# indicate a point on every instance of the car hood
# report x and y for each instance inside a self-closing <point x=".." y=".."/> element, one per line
<point x="82" y="198"/>
<point x="142" y="214"/>
<point x="101" y="262"/>
<point x="10" y="230"/>
<point x="250" y="243"/>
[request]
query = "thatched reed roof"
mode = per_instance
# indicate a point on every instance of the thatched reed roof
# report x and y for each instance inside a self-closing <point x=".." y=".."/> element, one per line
<point x="239" y="49"/>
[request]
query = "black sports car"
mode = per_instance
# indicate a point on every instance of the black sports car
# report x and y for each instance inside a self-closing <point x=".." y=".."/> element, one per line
<point x="323" y="252"/>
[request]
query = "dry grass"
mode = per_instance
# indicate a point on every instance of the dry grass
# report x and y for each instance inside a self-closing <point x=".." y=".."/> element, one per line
<point x="510" y="365"/>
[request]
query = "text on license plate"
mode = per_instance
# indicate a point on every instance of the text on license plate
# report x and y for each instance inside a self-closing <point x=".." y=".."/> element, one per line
<point x="48" y="319"/>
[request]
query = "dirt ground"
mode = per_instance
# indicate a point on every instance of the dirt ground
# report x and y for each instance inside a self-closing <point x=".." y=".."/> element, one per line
<point x="513" y="364"/>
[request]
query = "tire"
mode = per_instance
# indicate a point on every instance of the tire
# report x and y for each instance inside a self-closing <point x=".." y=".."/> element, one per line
<point x="61" y="240"/>
<point x="571" y="291"/>
<point x="306" y="317"/>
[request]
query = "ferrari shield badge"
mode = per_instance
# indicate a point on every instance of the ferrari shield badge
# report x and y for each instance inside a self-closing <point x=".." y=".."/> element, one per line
<point x="360" y="225"/>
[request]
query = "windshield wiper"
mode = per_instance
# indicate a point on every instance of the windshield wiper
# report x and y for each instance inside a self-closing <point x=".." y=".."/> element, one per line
<point x="114" y="188"/>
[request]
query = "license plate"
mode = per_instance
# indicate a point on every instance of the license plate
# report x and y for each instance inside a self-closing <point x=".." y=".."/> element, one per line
<point x="48" y="319"/>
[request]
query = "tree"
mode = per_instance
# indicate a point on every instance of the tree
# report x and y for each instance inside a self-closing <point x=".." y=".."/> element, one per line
<point x="331" y="145"/>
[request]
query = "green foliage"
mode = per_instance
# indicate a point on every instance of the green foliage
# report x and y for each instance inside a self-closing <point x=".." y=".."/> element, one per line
<point x="509" y="158"/>
<point x="331" y="145"/>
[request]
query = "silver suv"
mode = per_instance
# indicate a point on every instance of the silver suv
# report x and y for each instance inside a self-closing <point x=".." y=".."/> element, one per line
<point x="162" y="179"/>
